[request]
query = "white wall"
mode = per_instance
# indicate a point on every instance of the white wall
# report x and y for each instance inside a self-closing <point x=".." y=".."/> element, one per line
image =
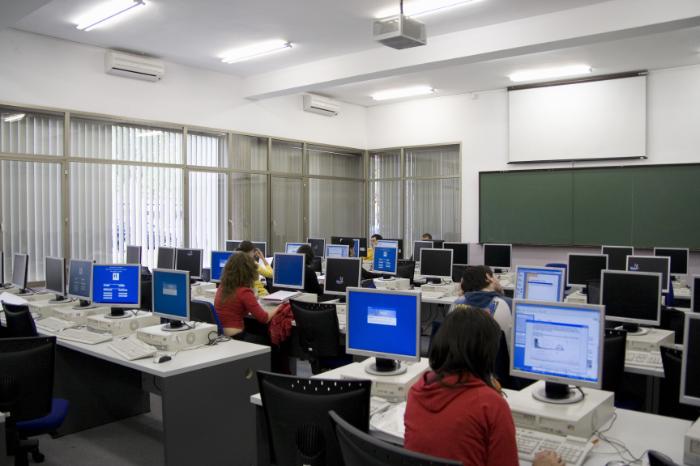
<point x="480" y="123"/>
<point x="49" y="72"/>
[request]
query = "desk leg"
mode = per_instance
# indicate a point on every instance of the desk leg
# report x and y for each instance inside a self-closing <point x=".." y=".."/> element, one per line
<point x="263" y="438"/>
<point x="207" y="415"/>
<point x="4" y="460"/>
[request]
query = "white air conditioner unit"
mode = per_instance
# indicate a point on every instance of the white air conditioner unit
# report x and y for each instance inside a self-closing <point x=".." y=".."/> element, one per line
<point x="321" y="105"/>
<point x="134" y="66"/>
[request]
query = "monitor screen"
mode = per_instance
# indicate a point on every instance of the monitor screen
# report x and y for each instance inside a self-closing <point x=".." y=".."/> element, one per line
<point x="383" y="324"/>
<point x="539" y="283"/>
<point x="262" y="246"/>
<point x="80" y="279"/>
<point x="350" y="242"/>
<point x="166" y="258"/>
<point x="171" y="294"/>
<point x="20" y="269"/>
<point x="690" y="372"/>
<point x="498" y="255"/>
<point x="218" y="262"/>
<point x="679" y="259"/>
<point x="460" y="256"/>
<point x="116" y="285"/>
<point x="558" y="342"/>
<point x="318" y="246"/>
<point x="232" y="244"/>
<point x="289" y="270"/>
<point x="133" y="255"/>
<point x="337" y="250"/>
<point x="436" y="263"/>
<point x="633" y="297"/>
<point x="190" y="260"/>
<point x="341" y="273"/>
<point x="586" y="267"/>
<point x="56" y="275"/>
<point x="292" y="248"/>
<point x="695" y="294"/>
<point x="385" y="260"/>
<point x="418" y="245"/>
<point x="387" y="243"/>
<point x="658" y="264"/>
<point x="617" y="256"/>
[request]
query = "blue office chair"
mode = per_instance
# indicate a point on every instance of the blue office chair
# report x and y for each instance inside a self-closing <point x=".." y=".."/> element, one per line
<point x="203" y="311"/>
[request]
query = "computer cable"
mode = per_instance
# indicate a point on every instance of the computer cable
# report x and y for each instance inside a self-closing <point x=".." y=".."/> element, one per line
<point x="620" y="448"/>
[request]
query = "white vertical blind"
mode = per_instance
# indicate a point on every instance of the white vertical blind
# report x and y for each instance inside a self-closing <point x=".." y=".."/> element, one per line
<point x="287" y="221"/>
<point x="335" y="208"/>
<point x="208" y="212"/>
<point x="207" y="150"/>
<point x="31" y="134"/>
<point x="249" y="212"/>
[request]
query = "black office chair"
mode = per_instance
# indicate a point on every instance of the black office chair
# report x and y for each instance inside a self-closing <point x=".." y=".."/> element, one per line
<point x="673" y="319"/>
<point x="361" y="449"/>
<point x="656" y="458"/>
<point x="593" y="292"/>
<point x="19" y="320"/>
<point x="406" y="269"/>
<point x="457" y="272"/>
<point x="296" y="412"/>
<point x="319" y="335"/>
<point x="26" y="392"/>
<point x="203" y="311"/>
<point x="613" y="358"/>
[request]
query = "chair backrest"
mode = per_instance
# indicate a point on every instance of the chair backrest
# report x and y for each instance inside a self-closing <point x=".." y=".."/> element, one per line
<point x="361" y="449"/>
<point x="147" y="292"/>
<point x="673" y="319"/>
<point x="203" y="311"/>
<point x="669" y="403"/>
<point x="457" y="272"/>
<point x="296" y="410"/>
<point x="19" y="320"/>
<point x="26" y="378"/>
<point x="406" y="269"/>
<point x="657" y="458"/>
<point x="593" y="292"/>
<point x="317" y="327"/>
<point x="613" y="358"/>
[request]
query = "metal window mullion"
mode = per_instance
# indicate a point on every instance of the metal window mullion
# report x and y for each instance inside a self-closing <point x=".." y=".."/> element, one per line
<point x="65" y="180"/>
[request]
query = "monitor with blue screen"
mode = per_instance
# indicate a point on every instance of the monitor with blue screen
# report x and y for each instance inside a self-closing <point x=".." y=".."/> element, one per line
<point x="385" y="260"/>
<point x="218" y="262"/>
<point x="171" y="297"/>
<point x="117" y="286"/>
<point x="337" y="250"/>
<point x="387" y="243"/>
<point x="560" y="343"/>
<point x="292" y="248"/>
<point x="539" y="283"/>
<point x="80" y="282"/>
<point x="289" y="270"/>
<point x="383" y="324"/>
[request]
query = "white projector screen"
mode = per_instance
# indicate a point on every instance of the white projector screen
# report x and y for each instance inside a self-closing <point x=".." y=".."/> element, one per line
<point x="582" y="121"/>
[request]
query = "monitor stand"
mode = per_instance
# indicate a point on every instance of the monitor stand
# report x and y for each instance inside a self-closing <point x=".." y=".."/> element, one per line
<point x="433" y="280"/>
<point x="175" y="326"/>
<point x="116" y="313"/>
<point x="6" y="286"/>
<point x="557" y="393"/>
<point x="25" y="292"/>
<point x="383" y="366"/>
<point x="84" y="304"/>
<point x="60" y="299"/>
<point x="633" y="329"/>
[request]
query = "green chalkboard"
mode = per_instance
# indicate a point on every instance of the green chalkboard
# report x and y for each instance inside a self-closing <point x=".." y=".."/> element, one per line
<point x="642" y="206"/>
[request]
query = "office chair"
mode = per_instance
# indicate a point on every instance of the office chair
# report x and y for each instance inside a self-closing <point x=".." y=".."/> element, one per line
<point x="656" y="458"/>
<point x="669" y="404"/>
<point x="296" y="411"/>
<point x="614" y="345"/>
<point x="673" y="319"/>
<point x="203" y="311"/>
<point x="406" y="269"/>
<point x="19" y="320"/>
<point x="147" y="292"/>
<point x="319" y="335"/>
<point x="26" y="389"/>
<point x="457" y="272"/>
<point x="361" y="449"/>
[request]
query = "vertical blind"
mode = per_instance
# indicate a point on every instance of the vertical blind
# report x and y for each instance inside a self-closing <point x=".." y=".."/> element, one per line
<point x="208" y="212"/>
<point x="28" y="133"/>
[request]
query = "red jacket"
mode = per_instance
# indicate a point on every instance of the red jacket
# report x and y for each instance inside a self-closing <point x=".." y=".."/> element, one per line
<point x="471" y="423"/>
<point x="234" y="308"/>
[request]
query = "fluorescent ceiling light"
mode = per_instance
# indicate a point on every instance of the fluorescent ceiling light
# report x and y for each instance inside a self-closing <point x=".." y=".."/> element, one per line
<point x="549" y="73"/>
<point x="424" y="7"/>
<point x="403" y="92"/>
<point x="106" y="12"/>
<point x="149" y="133"/>
<point x="13" y="117"/>
<point x="255" y="50"/>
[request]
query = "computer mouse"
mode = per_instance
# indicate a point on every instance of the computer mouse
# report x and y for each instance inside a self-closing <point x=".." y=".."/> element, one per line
<point x="163" y="358"/>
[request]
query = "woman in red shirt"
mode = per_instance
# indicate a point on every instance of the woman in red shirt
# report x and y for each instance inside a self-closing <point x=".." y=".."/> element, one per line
<point x="235" y="298"/>
<point x="456" y="411"/>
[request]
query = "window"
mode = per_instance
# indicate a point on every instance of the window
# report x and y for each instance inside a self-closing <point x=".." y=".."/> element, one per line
<point x="207" y="150"/>
<point x="22" y="132"/>
<point x="249" y="216"/>
<point x="249" y="152"/>
<point x="287" y="215"/>
<point x="286" y="157"/>
<point x="336" y="208"/>
<point x="208" y="212"/>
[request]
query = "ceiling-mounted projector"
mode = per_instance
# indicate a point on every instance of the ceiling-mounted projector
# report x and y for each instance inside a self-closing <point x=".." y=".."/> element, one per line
<point x="399" y="32"/>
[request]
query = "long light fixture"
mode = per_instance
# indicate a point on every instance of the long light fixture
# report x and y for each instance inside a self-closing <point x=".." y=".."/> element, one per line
<point x="13" y="117"/>
<point x="425" y="7"/>
<point x="402" y="92"/>
<point x="549" y="73"/>
<point x="106" y="12"/>
<point x="255" y="50"/>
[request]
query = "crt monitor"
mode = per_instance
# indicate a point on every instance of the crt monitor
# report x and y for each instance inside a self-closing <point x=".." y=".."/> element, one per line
<point x="292" y="248"/>
<point x="633" y="298"/>
<point x="498" y="256"/>
<point x="171" y="297"/>
<point x="617" y="256"/>
<point x="133" y="255"/>
<point x="690" y="372"/>
<point x="166" y="258"/>
<point x="232" y="244"/>
<point x="20" y="271"/>
<point x="218" y="262"/>
<point x="337" y="250"/>
<point x="190" y="260"/>
<point x="318" y="246"/>
<point x="418" y="245"/>
<point x="585" y="267"/>
<point x="385" y="260"/>
<point x="80" y="281"/>
<point x="56" y="276"/>
<point x="383" y="324"/>
<point x="342" y="273"/>
<point x="117" y="286"/>
<point x="289" y="270"/>
<point x="560" y="343"/>
<point x="539" y="283"/>
<point x="436" y="263"/>
<point x="460" y="255"/>
<point x="658" y="264"/>
<point x="679" y="259"/>
<point x="695" y="294"/>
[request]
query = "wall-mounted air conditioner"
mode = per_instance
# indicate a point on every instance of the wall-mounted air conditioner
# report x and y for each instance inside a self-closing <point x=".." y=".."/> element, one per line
<point x="134" y="66"/>
<point x="321" y="105"/>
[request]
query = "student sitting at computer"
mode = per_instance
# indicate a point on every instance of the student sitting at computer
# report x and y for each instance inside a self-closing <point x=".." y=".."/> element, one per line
<point x="310" y="280"/>
<point x="456" y="410"/>
<point x="264" y="268"/>
<point x="426" y="237"/>
<point x="235" y="298"/>
<point x="372" y="244"/>
<point x="481" y="288"/>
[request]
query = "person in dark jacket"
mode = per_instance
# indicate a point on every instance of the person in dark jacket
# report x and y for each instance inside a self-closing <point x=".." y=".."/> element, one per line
<point x="311" y="284"/>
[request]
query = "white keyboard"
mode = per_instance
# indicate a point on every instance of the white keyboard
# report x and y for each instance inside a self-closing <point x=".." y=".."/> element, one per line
<point x="431" y="295"/>
<point x="132" y="348"/>
<point x="83" y="336"/>
<point x="573" y="450"/>
<point x="643" y="358"/>
<point x="54" y="324"/>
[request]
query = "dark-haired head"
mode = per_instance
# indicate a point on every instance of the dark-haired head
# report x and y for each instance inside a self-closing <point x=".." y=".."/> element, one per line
<point x="240" y="271"/>
<point x="376" y="236"/>
<point x="476" y="278"/>
<point x="308" y="252"/>
<point x="246" y="246"/>
<point x="466" y="344"/>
